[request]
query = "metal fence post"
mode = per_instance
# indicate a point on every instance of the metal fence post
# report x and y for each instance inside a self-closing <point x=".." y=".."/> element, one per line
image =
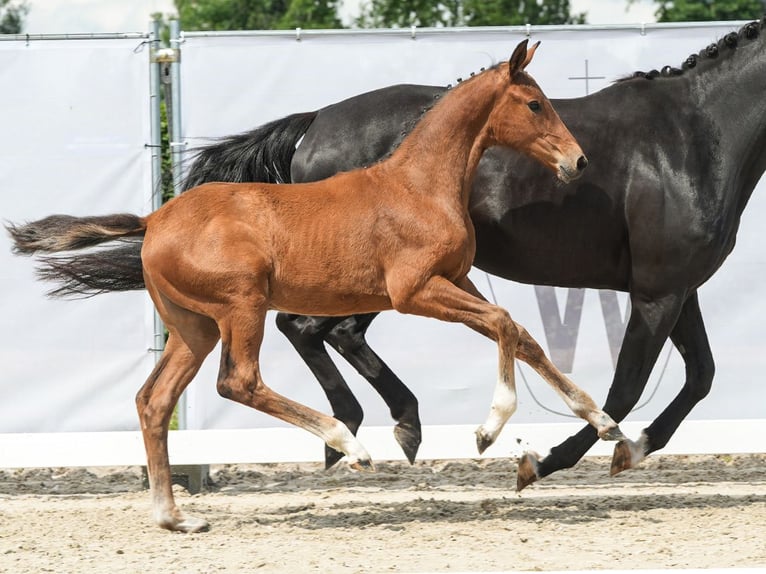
<point x="158" y="342"/>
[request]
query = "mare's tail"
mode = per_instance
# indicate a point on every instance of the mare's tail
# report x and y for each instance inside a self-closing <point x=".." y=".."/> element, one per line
<point x="260" y="155"/>
<point x="90" y="273"/>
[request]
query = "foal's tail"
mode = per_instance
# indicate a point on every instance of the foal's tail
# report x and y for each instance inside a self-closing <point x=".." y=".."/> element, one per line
<point x="263" y="154"/>
<point x="86" y="274"/>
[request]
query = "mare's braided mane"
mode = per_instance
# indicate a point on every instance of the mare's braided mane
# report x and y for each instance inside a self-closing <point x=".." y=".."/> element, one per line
<point x="746" y="34"/>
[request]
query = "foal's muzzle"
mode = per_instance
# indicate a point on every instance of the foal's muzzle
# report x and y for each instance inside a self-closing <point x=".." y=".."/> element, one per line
<point x="569" y="172"/>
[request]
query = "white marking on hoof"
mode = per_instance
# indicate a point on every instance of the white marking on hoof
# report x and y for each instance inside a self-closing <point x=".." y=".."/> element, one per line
<point x="503" y="406"/>
<point x="343" y="440"/>
<point x="606" y="427"/>
<point x="177" y="522"/>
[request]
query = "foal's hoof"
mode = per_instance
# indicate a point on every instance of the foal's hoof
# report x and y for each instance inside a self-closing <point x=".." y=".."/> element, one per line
<point x="529" y="470"/>
<point x="409" y="439"/>
<point x="187" y="525"/>
<point x="483" y="439"/>
<point x="627" y="454"/>
<point x="331" y="456"/>
<point x="363" y="465"/>
<point x="612" y="433"/>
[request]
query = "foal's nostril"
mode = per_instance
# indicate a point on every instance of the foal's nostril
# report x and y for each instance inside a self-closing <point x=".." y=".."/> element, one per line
<point x="582" y="162"/>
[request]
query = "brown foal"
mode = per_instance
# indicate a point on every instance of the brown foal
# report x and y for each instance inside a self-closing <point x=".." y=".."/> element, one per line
<point x="395" y="235"/>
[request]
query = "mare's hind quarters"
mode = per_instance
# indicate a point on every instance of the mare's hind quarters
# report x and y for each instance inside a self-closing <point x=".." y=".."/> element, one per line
<point x="529" y="470"/>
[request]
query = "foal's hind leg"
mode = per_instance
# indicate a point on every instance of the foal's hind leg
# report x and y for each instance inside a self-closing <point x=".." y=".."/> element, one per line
<point x="239" y="379"/>
<point x="183" y="355"/>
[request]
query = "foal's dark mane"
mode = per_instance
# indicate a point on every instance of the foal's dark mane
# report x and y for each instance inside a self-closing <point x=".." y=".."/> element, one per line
<point x="748" y="33"/>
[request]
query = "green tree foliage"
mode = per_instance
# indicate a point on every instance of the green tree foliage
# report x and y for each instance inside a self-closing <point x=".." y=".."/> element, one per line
<point x="708" y="10"/>
<point x="12" y="14"/>
<point x="519" y="12"/>
<point x="425" y="13"/>
<point x="257" y="14"/>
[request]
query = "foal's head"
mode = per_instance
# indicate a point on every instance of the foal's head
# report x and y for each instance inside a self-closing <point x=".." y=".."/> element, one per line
<point x="525" y="120"/>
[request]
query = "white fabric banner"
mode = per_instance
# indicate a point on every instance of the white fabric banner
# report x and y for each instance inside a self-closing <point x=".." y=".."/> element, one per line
<point x="235" y="83"/>
<point x="75" y="117"/>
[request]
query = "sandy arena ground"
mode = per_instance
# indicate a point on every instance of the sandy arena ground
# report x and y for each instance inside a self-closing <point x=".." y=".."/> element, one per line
<point x="436" y="516"/>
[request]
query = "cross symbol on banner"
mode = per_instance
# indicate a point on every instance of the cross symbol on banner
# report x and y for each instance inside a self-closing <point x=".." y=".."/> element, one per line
<point x="587" y="77"/>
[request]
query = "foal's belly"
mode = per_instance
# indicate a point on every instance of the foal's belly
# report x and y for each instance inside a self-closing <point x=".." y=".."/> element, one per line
<point x="333" y="302"/>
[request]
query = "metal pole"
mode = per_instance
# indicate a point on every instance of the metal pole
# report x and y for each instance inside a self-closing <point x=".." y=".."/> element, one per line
<point x="156" y="147"/>
<point x="176" y="151"/>
<point x="177" y="144"/>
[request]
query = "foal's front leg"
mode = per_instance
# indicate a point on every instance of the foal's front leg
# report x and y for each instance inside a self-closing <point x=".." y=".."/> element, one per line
<point x="462" y="303"/>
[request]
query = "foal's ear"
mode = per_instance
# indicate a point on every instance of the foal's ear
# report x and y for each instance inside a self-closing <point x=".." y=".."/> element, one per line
<point x="521" y="57"/>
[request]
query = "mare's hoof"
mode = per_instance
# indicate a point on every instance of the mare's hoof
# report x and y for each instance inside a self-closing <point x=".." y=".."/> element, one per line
<point x="409" y="439"/>
<point x="529" y="470"/>
<point x="363" y="464"/>
<point x="331" y="457"/>
<point x="627" y="454"/>
<point x="483" y="440"/>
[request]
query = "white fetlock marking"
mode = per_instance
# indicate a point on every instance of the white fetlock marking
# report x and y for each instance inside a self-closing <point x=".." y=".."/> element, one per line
<point x="343" y="440"/>
<point x="503" y="406"/>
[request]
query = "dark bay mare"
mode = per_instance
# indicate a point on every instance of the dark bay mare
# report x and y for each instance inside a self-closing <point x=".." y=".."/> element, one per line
<point x="395" y="235"/>
<point x="674" y="156"/>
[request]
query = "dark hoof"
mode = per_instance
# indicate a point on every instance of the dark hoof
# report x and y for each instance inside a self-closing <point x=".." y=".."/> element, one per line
<point x="409" y="439"/>
<point x="483" y="442"/>
<point x="529" y="468"/>
<point x="627" y="454"/>
<point x="331" y="457"/>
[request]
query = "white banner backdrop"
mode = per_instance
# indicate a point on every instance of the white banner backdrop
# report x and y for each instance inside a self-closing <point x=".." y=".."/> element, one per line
<point x="75" y="117"/>
<point x="233" y="83"/>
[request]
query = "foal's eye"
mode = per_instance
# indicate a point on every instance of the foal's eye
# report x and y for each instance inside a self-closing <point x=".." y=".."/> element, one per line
<point x="534" y="105"/>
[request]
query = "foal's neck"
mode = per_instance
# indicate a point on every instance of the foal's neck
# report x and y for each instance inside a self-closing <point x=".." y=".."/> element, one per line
<point x="441" y="154"/>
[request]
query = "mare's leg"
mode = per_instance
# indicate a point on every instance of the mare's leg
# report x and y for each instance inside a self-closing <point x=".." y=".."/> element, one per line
<point x="239" y="379"/>
<point x="307" y="336"/>
<point x="690" y="338"/>
<point x="348" y="338"/>
<point x="441" y="299"/>
<point x="649" y="325"/>
<point x="184" y="352"/>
